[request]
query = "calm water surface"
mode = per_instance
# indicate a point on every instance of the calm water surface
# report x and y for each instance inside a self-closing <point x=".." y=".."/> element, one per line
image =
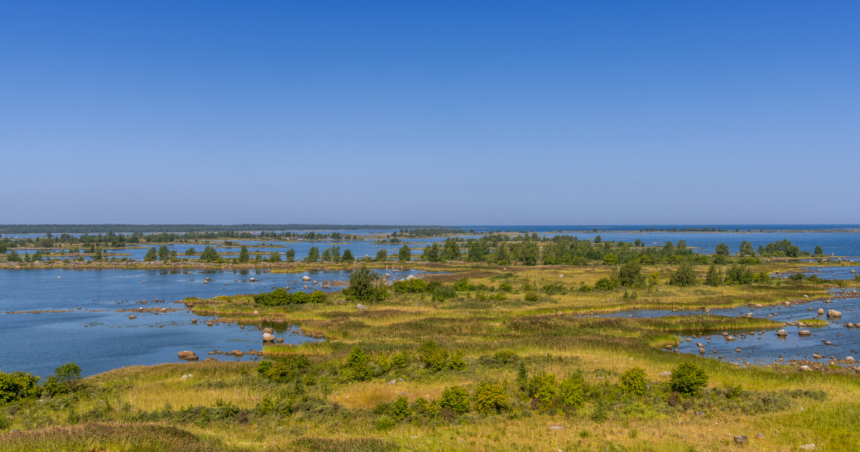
<point x="99" y="339"/>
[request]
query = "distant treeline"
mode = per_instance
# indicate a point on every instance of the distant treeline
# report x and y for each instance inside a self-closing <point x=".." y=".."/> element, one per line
<point x="148" y="228"/>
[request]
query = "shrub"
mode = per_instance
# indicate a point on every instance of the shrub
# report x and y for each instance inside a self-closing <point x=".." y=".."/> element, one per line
<point x="584" y="287"/>
<point x="356" y="365"/>
<point x="318" y="296"/>
<point x="66" y="379"/>
<point x="605" y="284"/>
<point x="490" y="398"/>
<point x="442" y="293"/>
<point x="543" y="387"/>
<point x="688" y="379"/>
<point x="633" y="381"/>
<point x="457" y="362"/>
<point x="505" y="356"/>
<point x="400" y="408"/>
<point x="505" y="287"/>
<point x="572" y="390"/>
<point x="18" y="385"/>
<point x="414" y="285"/>
<point x="285" y="369"/>
<point x="456" y="398"/>
<point x="433" y="356"/>
<point x="531" y="296"/>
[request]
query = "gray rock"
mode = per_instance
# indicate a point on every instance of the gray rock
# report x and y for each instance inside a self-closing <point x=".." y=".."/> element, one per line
<point x="361" y="306"/>
<point x="665" y="374"/>
<point x="741" y="439"/>
<point x="807" y="447"/>
<point x="555" y="428"/>
<point x="268" y="337"/>
<point x="759" y="435"/>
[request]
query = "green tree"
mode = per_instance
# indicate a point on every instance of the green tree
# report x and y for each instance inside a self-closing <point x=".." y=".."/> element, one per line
<point x="818" y="251"/>
<point x="275" y="257"/>
<point x="290" y="255"/>
<point x="451" y="250"/>
<point x="610" y="259"/>
<point x="190" y="251"/>
<point x="356" y="363"/>
<point x="151" y="255"/>
<point x="477" y="251"/>
<point x="18" y="385"/>
<point x="530" y="253"/>
<point x="209" y="255"/>
<point x="405" y="254"/>
<point x="244" y="257"/>
<point x="630" y="274"/>
<point x="163" y="253"/>
<point x="746" y="249"/>
<point x="685" y="275"/>
<point x="313" y="254"/>
<point x="723" y="250"/>
<point x="347" y="256"/>
<point x="503" y="254"/>
<point x="364" y="287"/>
<point x="381" y="256"/>
<point x="431" y="253"/>
<point x="714" y="277"/>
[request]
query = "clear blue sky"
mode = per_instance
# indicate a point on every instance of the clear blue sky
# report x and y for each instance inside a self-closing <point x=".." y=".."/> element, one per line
<point x="430" y="112"/>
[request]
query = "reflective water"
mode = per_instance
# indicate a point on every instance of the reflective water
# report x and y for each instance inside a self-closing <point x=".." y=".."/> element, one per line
<point x="99" y="338"/>
<point x="767" y="347"/>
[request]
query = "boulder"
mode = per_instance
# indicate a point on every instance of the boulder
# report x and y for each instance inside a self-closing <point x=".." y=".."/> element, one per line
<point x="833" y="313"/>
<point x="185" y="354"/>
<point x="210" y="360"/>
<point x="805" y="369"/>
<point x="237" y="353"/>
<point x="741" y="439"/>
<point x="192" y="358"/>
<point x="279" y="340"/>
<point x="807" y="447"/>
<point x="306" y="278"/>
<point x="759" y="435"/>
<point x="820" y="311"/>
<point x="267" y="330"/>
<point x="782" y="333"/>
<point x="665" y="374"/>
<point x="804" y="333"/>
<point x="268" y="337"/>
<point x="555" y="428"/>
<point x="132" y="317"/>
<point x="361" y="306"/>
<point x="849" y="359"/>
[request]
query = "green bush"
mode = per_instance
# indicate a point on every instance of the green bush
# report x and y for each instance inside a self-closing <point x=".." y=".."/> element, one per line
<point x="531" y="296"/>
<point x="457" y="362"/>
<point x="18" y="385"/>
<point x="505" y="287"/>
<point x="356" y="368"/>
<point x="410" y="286"/>
<point x="688" y="379"/>
<point x="543" y="387"/>
<point x="605" y="284"/>
<point x="505" y="356"/>
<point x="456" y="398"/>
<point x="572" y="390"/>
<point x="490" y="398"/>
<point x="433" y="356"/>
<point x="364" y="286"/>
<point x="633" y="381"/>
<point x="284" y="369"/>
<point x="400" y="408"/>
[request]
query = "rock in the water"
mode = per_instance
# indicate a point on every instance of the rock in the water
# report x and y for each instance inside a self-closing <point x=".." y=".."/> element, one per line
<point x="210" y="360"/>
<point x="782" y="333"/>
<point x="268" y="337"/>
<point x="267" y="330"/>
<point x="741" y="439"/>
<point x="132" y="317"/>
<point x="849" y="359"/>
<point x="237" y="353"/>
<point x="306" y="278"/>
<point x="805" y="369"/>
<point x="185" y="354"/>
<point x="804" y="332"/>
<point x="833" y="313"/>
<point x="279" y="340"/>
<point x="821" y="312"/>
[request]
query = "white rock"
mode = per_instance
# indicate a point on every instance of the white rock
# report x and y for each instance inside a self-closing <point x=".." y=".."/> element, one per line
<point x="267" y="337"/>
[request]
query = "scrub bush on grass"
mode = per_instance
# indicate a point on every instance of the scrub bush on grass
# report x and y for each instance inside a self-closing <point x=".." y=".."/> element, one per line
<point x="634" y="382"/>
<point x="456" y="398"/>
<point x="490" y="398"/>
<point x="688" y="379"/>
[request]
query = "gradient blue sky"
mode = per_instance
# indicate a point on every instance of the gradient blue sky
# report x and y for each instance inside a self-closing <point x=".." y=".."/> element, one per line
<point x="430" y="112"/>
